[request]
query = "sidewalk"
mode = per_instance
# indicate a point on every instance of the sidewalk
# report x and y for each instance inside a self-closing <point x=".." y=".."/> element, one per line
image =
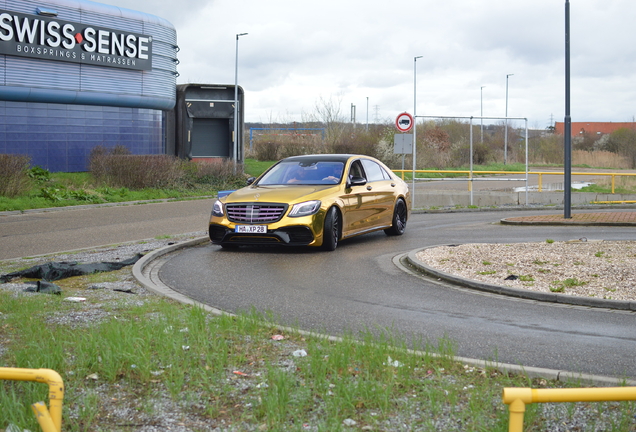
<point x="618" y="218"/>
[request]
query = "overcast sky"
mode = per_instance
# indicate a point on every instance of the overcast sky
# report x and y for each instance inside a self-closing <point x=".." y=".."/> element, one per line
<point x="297" y="52"/>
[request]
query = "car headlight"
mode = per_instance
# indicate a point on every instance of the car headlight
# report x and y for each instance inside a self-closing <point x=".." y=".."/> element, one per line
<point x="217" y="208"/>
<point x="305" y="208"/>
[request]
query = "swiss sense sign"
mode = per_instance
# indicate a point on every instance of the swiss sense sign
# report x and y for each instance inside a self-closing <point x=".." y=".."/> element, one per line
<point x="53" y="39"/>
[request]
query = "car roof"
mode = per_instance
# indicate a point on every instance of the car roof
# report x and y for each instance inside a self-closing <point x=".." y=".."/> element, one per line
<point x="321" y="158"/>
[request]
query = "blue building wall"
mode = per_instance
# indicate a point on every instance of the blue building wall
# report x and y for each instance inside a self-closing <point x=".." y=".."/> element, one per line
<point x="60" y="137"/>
<point x="56" y="111"/>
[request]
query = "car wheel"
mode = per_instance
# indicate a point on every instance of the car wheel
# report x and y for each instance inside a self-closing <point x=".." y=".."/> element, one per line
<point x="331" y="232"/>
<point x="399" y="219"/>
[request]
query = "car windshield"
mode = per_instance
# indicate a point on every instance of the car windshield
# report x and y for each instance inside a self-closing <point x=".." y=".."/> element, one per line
<point x="304" y="173"/>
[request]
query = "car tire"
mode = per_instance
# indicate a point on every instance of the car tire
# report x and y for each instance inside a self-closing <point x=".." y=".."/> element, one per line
<point x="398" y="224"/>
<point x="331" y="231"/>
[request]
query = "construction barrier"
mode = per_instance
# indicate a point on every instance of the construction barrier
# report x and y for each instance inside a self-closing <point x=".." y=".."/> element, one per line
<point x="50" y="419"/>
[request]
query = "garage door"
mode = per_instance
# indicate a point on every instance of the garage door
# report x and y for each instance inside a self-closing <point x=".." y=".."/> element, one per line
<point x="210" y="138"/>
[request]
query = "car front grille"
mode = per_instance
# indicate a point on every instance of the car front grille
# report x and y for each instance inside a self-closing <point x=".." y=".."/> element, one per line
<point x="255" y="213"/>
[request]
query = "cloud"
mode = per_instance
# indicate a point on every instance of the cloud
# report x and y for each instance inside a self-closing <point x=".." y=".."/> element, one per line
<point x="296" y="52"/>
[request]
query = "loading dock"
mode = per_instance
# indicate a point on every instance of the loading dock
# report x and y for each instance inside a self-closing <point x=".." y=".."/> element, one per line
<point x="205" y="122"/>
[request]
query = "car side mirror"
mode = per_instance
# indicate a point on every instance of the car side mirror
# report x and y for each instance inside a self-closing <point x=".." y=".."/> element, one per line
<point x="250" y="180"/>
<point x="357" y="181"/>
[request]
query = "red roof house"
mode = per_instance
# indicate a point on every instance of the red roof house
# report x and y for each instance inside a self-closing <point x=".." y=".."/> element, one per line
<point x="596" y="128"/>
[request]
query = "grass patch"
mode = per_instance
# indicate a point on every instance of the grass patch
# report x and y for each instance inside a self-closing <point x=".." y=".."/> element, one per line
<point x="254" y="167"/>
<point x="164" y="348"/>
<point x="560" y="286"/>
<point x="136" y="360"/>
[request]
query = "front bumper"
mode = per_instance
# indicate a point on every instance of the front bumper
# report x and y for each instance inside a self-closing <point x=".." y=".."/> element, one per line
<point x="289" y="236"/>
<point x="288" y="231"/>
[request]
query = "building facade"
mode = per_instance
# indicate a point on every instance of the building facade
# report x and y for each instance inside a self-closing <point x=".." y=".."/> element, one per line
<point x="594" y="128"/>
<point x="75" y="74"/>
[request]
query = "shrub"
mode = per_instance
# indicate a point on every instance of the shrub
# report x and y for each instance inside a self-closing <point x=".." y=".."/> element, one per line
<point x="266" y="150"/>
<point x="220" y="173"/>
<point x="14" y="179"/>
<point x="99" y="160"/>
<point x="117" y="169"/>
<point x="39" y="174"/>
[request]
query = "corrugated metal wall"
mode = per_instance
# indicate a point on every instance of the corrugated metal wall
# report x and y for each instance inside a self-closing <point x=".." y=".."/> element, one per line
<point x="56" y="112"/>
<point x="98" y="85"/>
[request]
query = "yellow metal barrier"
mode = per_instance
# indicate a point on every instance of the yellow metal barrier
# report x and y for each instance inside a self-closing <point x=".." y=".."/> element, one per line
<point x="50" y="420"/>
<point x="518" y="398"/>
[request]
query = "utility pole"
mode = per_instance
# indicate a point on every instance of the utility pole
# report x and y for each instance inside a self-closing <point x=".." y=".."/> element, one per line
<point x="567" y="126"/>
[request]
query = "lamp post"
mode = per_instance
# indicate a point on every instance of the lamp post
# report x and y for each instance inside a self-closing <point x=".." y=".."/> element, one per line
<point x="506" y="135"/>
<point x="481" y="101"/>
<point x="414" y="128"/>
<point x="236" y="122"/>
<point x="567" y="124"/>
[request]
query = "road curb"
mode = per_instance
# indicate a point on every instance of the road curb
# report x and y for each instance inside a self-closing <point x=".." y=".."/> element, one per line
<point x="516" y="292"/>
<point x="507" y="221"/>
<point x="139" y="270"/>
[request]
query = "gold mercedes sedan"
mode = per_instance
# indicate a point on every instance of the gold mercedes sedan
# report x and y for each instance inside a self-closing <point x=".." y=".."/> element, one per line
<point x="312" y="200"/>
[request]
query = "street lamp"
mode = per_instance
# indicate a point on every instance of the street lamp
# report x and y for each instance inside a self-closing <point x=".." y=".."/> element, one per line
<point x="506" y="135"/>
<point x="482" y="113"/>
<point x="414" y="127"/>
<point x="236" y="122"/>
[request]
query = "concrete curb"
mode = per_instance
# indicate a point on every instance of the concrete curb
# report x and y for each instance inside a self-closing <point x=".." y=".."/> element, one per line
<point x="515" y="292"/>
<point x="92" y="206"/>
<point x="140" y="270"/>
<point x="145" y="279"/>
<point x="506" y="221"/>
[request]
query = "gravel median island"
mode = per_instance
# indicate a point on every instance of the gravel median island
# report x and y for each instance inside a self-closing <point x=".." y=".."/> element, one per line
<point x="584" y="268"/>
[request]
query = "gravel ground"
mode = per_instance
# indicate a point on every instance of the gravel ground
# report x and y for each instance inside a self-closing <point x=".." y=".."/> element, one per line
<point x="585" y="268"/>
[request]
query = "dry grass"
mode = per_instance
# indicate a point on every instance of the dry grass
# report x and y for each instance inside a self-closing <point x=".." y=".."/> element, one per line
<point x="624" y="183"/>
<point x="600" y="159"/>
<point x="13" y="175"/>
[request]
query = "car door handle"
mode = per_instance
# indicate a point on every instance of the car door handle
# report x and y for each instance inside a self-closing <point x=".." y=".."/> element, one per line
<point x="392" y="184"/>
<point x="369" y="188"/>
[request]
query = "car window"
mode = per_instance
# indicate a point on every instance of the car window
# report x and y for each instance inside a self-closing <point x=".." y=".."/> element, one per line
<point x="374" y="171"/>
<point x="302" y="173"/>
<point x="356" y="170"/>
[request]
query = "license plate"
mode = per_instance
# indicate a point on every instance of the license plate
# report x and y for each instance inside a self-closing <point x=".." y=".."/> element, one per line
<point x="251" y="229"/>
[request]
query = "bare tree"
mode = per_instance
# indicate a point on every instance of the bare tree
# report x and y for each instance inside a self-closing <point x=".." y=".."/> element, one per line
<point x="327" y="112"/>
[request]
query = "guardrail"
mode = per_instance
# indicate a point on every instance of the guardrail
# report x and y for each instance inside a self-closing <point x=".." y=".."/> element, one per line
<point x="518" y="398"/>
<point x="50" y="419"/>
<point x="470" y="176"/>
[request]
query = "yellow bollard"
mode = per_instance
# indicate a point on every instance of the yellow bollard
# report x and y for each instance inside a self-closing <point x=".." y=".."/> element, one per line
<point x="45" y="376"/>
<point x="518" y="398"/>
<point x="44" y="417"/>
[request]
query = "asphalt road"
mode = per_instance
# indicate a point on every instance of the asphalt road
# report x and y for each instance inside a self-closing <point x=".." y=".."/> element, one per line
<point x="359" y="287"/>
<point x="43" y="232"/>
